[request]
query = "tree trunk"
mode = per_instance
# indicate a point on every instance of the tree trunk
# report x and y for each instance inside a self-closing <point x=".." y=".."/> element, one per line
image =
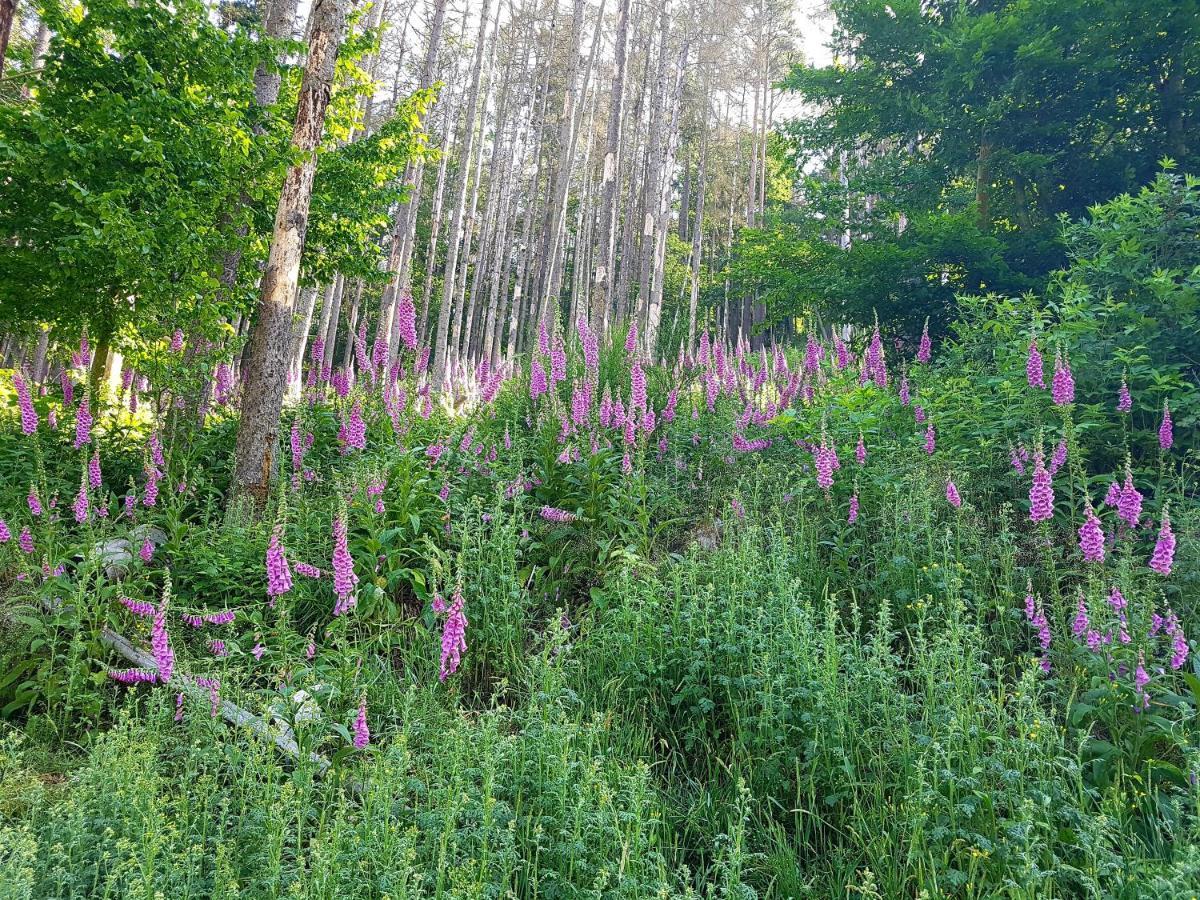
<point x="404" y="225"/>
<point x="262" y="403"/>
<point x="983" y="183"/>
<point x="601" y="281"/>
<point x="441" y="353"/>
<point x="698" y="227"/>
<point x="8" y="14"/>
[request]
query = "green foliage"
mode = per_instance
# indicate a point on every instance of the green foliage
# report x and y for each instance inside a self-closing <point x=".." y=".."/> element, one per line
<point x="976" y="125"/>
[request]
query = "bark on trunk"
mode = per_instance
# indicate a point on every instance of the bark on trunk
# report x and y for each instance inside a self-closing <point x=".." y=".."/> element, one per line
<point x="258" y="430"/>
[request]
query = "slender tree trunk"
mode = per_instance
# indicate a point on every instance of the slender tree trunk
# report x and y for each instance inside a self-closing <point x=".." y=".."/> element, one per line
<point x="304" y="314"/>
<point x="335" y="318"/>
<point x="601" y="287"/>
<point x="441" y="353"/>
<point x="651" y="202"/>
<point x="8" y="14"/>
<point x="404" y="224"/>
<point x="262" y="402"/>
<point x="698" y="227"/>
<point x="654" y="313"/>
<point x="435" y="216"/>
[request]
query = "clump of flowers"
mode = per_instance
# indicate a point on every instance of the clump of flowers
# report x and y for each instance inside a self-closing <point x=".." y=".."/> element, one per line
<point x="1035" y="367"/>
<point x="279" y="574"/>
<point x="1041" y="491"/>
<point x="952" y="495"/>
<point x="554" y="514"/>
<point x="1166" y="436"/>
<point x="925" y="348"/>
<point x="160" y="640"/>
<point x="454" y="636"/>
<point x="29" y="417"/>
<point x="344" y="578"/>
<point x="1062" y="387"/>
<point x="362" y="734"/>
<point x="1124" y="399"/>
<point x="1091" y="536"/>
<point x="1164" y="549"/>
<point x="83" y="423"/>
<point x="1129" y="506"/>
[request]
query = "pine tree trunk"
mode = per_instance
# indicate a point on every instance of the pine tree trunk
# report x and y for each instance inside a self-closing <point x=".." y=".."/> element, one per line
<point x="262" y="399"/>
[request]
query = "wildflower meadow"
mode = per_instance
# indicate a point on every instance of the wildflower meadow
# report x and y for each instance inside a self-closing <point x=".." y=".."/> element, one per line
<point x="474" y="454"/>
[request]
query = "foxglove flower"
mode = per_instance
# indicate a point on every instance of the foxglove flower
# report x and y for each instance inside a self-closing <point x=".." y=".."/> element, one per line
<point x="160" y="641"/>
<point x="853" y="516"/>
<point x="925" y="349"/>
<point x="631" y="337"/>
<point x="1041" y="492"/>
<point x="94" y="478"/>
<point x="362" y="735"/>
<point x="637" y="382"/>
<point x="860" y="450"/>
<point x="147" y="550"/>
<point x="1035" y="367"/>
<point x="1140" y="680"/>
<point x="406" y="321"/>
<point x="952" y="495"/>
<point x="5" y="534"/>
<point x="81" y="506"/>
<point x="25" y="541"/>
<point x="139" y="607"/>
<point x="823" y="462"/>
<point x="1062" y="386"/>
<point x="151" y="496"/>
<point x="1080" y="626"/>
<point x="1124" y="400"/>
<point x="930" y="439"/>
<point x="1059" y="457"/>
<point x="279" y="574"/>
<point x="1164" y="549"/>
<point x="905" y="396"/>
<point x="553" y="514"/>
<point x="1113" y="497"/>
<point x="454" y="637"/>
<point x="344" y="578"/>
<point x="29" y="417"/>
<point x="1179" y="644"/>
<point x="558" y="362"/>
<point x="537" y="379"/>
<point x="353" y="432"/>
<point x="1129" y="507"/>
<point x="1091" y="536"/>
<point x="177" y="340"/>
<point x="543" y="339"/>
<point x="83" y="423"/>
<point x="35" y="505"/>
<point x="1166" y="436"/>
<point x="841" y="356"/>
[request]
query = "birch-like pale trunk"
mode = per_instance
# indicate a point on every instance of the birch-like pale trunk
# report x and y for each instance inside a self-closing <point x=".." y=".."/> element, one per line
<point x="441" y="350"/>
<point x="698" y="225"/>
<point x="654" y="314"/>
<point x="601" y="280"/>
<point x="266" y="375"/>
<point x="404" y="222"/>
